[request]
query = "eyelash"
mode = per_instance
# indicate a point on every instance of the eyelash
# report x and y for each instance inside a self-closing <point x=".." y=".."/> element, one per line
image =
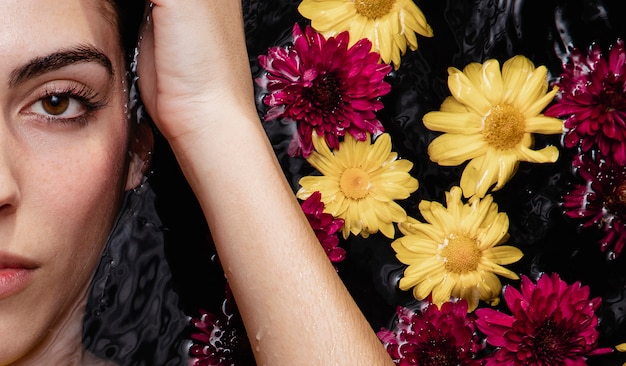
<point x="85" y="96"/>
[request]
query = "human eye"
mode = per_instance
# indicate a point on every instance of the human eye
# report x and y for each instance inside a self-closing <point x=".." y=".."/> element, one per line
<point x="69" y="104"/>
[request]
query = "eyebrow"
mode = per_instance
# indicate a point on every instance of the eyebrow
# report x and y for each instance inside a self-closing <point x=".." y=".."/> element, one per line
<point x="57" y="60"/>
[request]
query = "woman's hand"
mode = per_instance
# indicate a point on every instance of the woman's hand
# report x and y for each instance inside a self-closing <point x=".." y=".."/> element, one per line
<point x="193" y="68"/>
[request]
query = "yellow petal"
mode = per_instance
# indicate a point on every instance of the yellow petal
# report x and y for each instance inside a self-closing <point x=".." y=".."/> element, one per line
<point x="417" y="228"/>
<point x="539" y="104"/>
<point x="491" y="81"/>
<point x="435" y="214"/>
<point x="489" y="287"/>
<point x="479" y="175"/>
<point x="417" y="273"/>
<point x="326" y="14"/>
<point x="367" y="215"/>
<point x="409" y="38"/>
<point x="384" y="41"/>
<point x="324" y="184"/>
<point x="325" y="164"/>
<point x="486" y="265"/>
<point x="453" y="149"/>
<point x="464" y="123"/>
<point x="467" y="289"/>
<point x="442" y="292"/>
<point x="508" y="166"/>
<point x="543" y="124"/>
<point x="548" y="154"/>
<point x="335" y="204"/>
<point x="504" y="254"/>
<point x="379" y="152"/>
<point x="515" y="72"/>
<point x="322" y="151"/>
<point x="423" y="289"/>
<point x="467" y="93"/>
<point x="452" y="105"/>
<point x="534" y="88"/>
<point x="397" y="186"/>
<point x="472" y="71"/>
<point x="414" y="18"/>
<point x="421" y="244"/>
<point x="474" y="223"/>
<point x="387" y="229"/>
<point x="493" y="234"/>
<point x="453" y="202"/>
<point x="487" y="77"/>
<point x="432" y="266"/>
<point x="410" y="226"/>
<point x="360" y="27"/>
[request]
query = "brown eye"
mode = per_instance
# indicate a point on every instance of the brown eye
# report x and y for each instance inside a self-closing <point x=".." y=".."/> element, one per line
<point x="55" y="105"/>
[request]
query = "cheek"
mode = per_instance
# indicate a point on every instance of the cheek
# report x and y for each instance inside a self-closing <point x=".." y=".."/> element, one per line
<point x="85" y="188"/>
<point x="88" y="182"/>
<point x="76" y="190"/>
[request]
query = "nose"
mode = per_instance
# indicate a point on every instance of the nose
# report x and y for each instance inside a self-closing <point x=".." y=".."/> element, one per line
<point x="9" y="161"/>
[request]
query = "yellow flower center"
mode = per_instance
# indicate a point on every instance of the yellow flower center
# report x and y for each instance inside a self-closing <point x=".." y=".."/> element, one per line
<point x="354" y="183"/>
<point x="504" y="127"/>
<point x="373" y="8"/>
<point x="461" y="254"/>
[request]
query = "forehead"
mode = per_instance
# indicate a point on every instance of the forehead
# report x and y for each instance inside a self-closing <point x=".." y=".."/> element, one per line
<point x="30" y="28"/>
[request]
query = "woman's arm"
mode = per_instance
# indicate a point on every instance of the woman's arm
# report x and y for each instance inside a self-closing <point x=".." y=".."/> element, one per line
<point x="295" y="308"/>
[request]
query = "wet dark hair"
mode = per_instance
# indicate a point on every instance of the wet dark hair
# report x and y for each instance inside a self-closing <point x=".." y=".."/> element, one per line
<point x="129" y="18"/>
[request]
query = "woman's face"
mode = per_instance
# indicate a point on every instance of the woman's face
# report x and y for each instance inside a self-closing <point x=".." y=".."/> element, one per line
<point x="63" y="160"/>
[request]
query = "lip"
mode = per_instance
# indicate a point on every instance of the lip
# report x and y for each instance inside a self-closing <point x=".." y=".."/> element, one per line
<point x="16" y="273"/>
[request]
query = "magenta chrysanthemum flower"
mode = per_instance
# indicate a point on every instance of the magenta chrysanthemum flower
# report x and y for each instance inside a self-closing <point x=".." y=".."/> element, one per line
<point x="601" y="200"/>
<point x="325" y="87"/>
<point x="325" y="227"/>
<point x="592" y="96"/>
<point x="553" y="323"/>
<point x="434" y="337"/>
<point x="219" y="340"/>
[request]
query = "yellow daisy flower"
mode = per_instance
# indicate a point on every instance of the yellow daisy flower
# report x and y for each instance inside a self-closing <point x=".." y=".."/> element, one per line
<point x="389" y="24"/>
<point x="489" y="120"/>
<point x="457" y="252"/>
<point x="359" y="184"/>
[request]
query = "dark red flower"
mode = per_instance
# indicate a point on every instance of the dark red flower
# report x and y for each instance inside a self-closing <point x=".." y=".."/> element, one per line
<point x="325" y="227"/>
<point x="553" y="323"/>
<point x="433" y="337"/>
<point x="220" y="340"/>
<point x="601" y="200"/>
<point x="325" y="87"/>
<point x="592" y="95"/>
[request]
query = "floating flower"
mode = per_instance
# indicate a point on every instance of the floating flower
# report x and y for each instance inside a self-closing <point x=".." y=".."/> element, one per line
<point x="325" y="86"/>
<point x="325" y="227"/>
<point x="553" y="323"/>
<point x="220" y="340"/>
<point x="592" y="96"/>
<point x="390" y="24"/>
<point x="489" y="120"/>
<point x="435" y="337"/>
<point x="359" y="184"/>
<point x="601" y="200"/>
<point x="458" y="252"/>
